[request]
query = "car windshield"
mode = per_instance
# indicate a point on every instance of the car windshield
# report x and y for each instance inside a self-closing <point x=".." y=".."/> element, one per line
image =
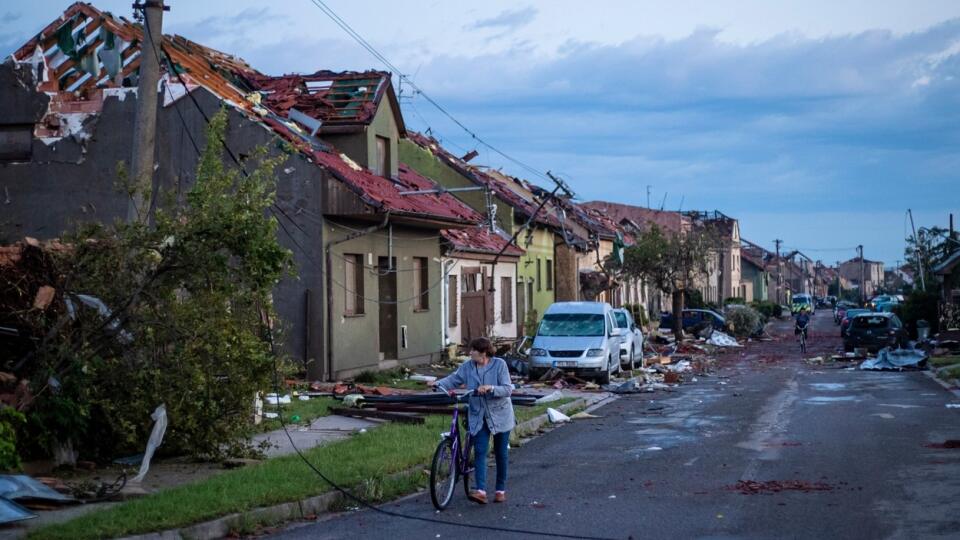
<point x="621" y="319"/>
<point x="571" y="324"/>
<point x="870" y="322"/>
<point x="854" y="312"/>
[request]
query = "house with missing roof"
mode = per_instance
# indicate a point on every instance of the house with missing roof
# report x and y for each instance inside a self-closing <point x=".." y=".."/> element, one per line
<point x="366" y="243"/>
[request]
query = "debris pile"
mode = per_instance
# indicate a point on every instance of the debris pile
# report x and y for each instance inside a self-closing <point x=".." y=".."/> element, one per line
<point x="754" y="487"/>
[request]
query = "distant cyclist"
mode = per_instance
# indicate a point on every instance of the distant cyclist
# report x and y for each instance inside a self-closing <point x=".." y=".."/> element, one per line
<point x="803" y="320"/>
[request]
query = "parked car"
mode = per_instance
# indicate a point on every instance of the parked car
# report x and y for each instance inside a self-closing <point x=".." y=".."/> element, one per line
<point x="802" y="301"/>
<point x="631" y="344"/>
<point x="580" y="337"/>
<point x="850" y="313"/>
<point x="884" y="302"/>
<point x="694" y="317"/>
<point x="840" y="311"/>
<point x="875" y="331"/>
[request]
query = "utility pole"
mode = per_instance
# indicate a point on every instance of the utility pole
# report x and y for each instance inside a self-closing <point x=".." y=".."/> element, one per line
<point x="839" y="283"/>
<point x="918" y="251"/>
<point x="779" y="272"/>
<point x="863" y="285"/>
<point x="648" y="196"/>
<point x="145" y="124"/>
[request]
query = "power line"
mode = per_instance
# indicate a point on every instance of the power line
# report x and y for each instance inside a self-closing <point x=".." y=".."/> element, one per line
<point x="320" y="4"/>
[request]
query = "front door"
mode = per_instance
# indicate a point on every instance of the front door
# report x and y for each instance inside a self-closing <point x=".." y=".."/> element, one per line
<point x="388" y="308"/>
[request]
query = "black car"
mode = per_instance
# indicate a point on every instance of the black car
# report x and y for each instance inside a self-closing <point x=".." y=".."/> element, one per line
<point x="875" y="331"/>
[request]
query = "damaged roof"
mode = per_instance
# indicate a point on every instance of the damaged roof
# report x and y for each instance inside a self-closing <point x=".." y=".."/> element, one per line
<point x="71" y="65"/>
<point x="501" y="189"/>
<point x="86" y="49"/>
<point x="480" y="239"/>
<point x="644" y="217"/>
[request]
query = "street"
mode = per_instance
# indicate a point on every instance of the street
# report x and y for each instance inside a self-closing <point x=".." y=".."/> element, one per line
<point x="768" y="446"/>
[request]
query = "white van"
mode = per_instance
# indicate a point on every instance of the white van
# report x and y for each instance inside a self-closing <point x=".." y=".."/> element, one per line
<point x="578" y="337"/>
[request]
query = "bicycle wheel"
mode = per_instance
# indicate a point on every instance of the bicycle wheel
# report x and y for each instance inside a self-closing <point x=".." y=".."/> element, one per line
<point x="443" y="474"/>
<point x="467" y="465"/>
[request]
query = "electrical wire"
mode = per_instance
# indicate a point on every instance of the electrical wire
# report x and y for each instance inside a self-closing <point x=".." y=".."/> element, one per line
<point x="276" y="373"/>
<point x="320" y="4"/>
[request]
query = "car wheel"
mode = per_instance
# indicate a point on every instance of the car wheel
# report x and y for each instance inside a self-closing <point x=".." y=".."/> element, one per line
<point x="604" y="377"/>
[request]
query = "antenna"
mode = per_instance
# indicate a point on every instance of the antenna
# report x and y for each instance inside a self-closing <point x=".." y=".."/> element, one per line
<point x="664" y="202"/>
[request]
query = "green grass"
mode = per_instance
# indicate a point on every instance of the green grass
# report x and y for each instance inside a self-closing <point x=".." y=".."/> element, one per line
<point x="941" y="361"/>
<point x="306" y="410"/>
<point x="367" y="457"/>
<point x="368" y="463"/>
<point x="526" y="413"/>
<point x="953" y="373"/>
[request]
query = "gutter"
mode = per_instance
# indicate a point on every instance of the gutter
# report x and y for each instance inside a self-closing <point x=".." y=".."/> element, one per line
<point x="328" y="369"/>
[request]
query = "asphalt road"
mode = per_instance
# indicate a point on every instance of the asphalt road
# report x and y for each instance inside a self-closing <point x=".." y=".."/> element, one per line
<point x="835" y="452"/>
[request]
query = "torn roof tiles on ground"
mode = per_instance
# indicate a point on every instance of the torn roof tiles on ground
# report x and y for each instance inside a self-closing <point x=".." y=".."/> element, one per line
<point x="521" y="206"/>
<point x="86" y="52"/>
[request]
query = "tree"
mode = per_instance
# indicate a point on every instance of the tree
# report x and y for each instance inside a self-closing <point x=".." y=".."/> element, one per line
<point x="925" y="251"/>
<point x="186" y="305"/>
<point x="670" y="263"/>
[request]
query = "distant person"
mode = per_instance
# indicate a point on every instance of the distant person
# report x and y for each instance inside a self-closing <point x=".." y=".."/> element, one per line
<point x="490" y="412"/>
<point x="803" y="320"/>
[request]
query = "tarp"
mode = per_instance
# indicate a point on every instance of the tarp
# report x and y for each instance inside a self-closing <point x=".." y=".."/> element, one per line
<point x="11" y="511"/>
<point x="722" y="340"/>
<point x="899" y="359"/>
<point x="21" y="487"/>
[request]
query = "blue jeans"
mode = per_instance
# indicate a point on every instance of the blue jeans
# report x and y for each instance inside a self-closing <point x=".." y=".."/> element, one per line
<point x="481" y="448"/>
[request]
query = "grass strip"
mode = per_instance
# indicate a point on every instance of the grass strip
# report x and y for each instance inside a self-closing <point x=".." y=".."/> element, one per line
<point x="362" y="463"/>
<point x="372" y="455"/>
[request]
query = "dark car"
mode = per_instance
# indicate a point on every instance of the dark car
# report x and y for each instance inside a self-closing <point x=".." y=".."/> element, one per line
<point x="849" y="314"/>
<point x="875" y="331"/>
<point x="694" y="317"/>
<point x="840" y="310"/>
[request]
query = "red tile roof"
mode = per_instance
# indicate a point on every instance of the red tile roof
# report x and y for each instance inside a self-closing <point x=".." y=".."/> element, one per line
<point x="332" y="98"/>
<point x="669" y="221"/>
<point x="501" y="189"/>
<point x="480" y="240"/>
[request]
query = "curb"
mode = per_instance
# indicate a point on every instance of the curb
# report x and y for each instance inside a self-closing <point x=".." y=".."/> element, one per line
<point x="946" y="386"/>
<point x="319" y="504"/>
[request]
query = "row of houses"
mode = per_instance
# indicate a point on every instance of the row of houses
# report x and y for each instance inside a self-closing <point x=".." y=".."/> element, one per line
<point x="401" y="246"/>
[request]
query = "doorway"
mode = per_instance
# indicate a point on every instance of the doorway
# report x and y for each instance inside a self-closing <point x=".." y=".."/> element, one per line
<point x="387" y="282"/>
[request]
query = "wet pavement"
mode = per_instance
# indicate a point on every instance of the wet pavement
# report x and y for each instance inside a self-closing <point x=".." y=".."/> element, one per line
<point x="770" y="446"/>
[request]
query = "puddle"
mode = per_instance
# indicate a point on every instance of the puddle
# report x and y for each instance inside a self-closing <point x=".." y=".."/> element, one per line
<point x="828" y="387"/>
<point x="822" y="400"/>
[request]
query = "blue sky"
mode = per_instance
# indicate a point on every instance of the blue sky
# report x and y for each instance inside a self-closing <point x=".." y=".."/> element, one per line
<point x="811" y="122"/>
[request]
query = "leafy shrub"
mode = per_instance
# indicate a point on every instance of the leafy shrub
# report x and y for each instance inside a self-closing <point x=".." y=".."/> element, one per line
<point x="10" y="420"/>
<point x="743" y="321"/>
<point x="189" y="296"/>
<point x="735" y="300"/>
<point x="919" y="305"/>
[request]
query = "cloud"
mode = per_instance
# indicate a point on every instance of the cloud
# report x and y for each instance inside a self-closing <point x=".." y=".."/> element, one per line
<point x="789" y="125"/>
<point x="508" y="20"/>
<point x="9" y="17"/>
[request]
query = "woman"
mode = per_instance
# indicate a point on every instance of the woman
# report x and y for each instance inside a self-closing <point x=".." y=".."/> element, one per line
<point x="490" y="412"/>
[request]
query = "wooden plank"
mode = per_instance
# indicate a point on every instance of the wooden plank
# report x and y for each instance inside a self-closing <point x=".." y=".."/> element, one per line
<point x="379" y="415"/>
<point x="417" y="409"/>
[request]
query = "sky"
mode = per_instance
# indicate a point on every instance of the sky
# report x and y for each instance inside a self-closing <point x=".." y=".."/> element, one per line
<point x="816" y="122"/>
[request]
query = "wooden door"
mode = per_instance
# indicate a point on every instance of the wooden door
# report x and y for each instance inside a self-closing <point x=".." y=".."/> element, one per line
<point x="521" y="306"/>
<point x="388" y="309"/>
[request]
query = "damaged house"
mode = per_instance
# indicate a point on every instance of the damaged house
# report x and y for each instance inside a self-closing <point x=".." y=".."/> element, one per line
<point x="541" y="279"/>
<point x="367" y="253"/>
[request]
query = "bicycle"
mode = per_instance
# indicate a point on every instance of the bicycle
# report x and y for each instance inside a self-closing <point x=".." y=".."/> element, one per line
<point x="451" y="460"/>
<point x="803" y="339"/>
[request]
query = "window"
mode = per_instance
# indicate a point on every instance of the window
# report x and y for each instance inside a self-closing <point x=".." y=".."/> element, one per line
<point x="353" y="283"/>
<point x="381" y="166"/>
<point x="506" y="300"/>
<point x="420" y="284"/>
<point x="16" y="142"/>
<point x="549" y="275"/>
<point x="471" y="277"/>
<point x="538" y="273"/>
<point x="452" y="304"/>
<point x="573" y="324"/>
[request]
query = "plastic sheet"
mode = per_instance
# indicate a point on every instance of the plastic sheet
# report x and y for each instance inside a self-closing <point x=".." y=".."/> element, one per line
<point x="897" y="360"/>
<point x="159" y="417"/>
